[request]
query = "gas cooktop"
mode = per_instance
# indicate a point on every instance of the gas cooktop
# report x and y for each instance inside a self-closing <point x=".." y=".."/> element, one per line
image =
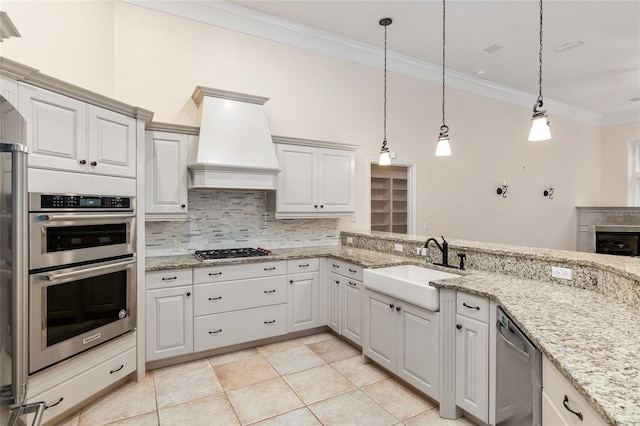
<point x="230" y="253"/>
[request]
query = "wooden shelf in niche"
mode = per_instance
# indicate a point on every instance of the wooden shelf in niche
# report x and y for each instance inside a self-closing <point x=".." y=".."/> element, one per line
<point x="389" y="199"/>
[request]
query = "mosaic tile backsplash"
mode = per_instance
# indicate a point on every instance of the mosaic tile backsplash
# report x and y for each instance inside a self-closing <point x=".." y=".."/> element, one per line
<point x="229" y="219"/>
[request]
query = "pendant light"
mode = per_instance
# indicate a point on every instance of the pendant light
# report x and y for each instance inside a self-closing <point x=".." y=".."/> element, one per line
<point x="539" y="123"/>
<point x="443" y="149"/>
<point x="385" y="158"/>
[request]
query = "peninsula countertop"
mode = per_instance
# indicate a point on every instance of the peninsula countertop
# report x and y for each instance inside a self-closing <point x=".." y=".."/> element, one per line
<point x="593" y="340"/>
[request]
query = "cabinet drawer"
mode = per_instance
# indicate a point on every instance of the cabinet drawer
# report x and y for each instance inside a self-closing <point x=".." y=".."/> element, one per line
<point x="230" y="328"/>
<point x="345" y="269"/>
<point x="556" y="387"/>
<point x="215" y="298"/>
<point x="212" y="274"/>
<point x="303" y="265"/>
<point x="169" y="278"/>
<point x="472" y="306"/>
<point x="74" y="391"/>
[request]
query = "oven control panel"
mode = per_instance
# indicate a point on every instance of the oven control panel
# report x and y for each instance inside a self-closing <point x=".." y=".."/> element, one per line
<point x="79" y="202"/>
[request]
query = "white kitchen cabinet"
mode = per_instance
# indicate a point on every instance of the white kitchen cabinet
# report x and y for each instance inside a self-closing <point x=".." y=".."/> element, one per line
<point x="314" y="181"/>
<point x="472" y="354"/>
<point x="561" y="402"/>
<point x="166" y="176"/>
<point x="66" y="134"/>
<point x="403" y="338"/>
<point x="169" y="314"/>
<point x="303" y="294"/>
<point x="345" y="302"/>
<point x="239" y="303"/>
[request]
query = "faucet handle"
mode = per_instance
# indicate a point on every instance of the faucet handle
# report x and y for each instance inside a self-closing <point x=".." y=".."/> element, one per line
<point x="462" y="257"/>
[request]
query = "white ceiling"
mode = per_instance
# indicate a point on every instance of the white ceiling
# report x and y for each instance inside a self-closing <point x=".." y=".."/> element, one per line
<point x="593" y="83"/>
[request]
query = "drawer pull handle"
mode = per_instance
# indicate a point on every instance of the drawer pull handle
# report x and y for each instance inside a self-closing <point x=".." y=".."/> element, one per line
<point x="273" y="268"/>
<point x="269" y="291"/>
<point x="335" y="266"/>
<point x="565" y="402"/>
<point x="216" y="332"/>
<point x="54" y="404"/>
<point x="213" y="274"/>
<point x="270" y="322"/>
<point x="117" y="369"/>
<point x="353" y="271"/>
<point x="215" y="298"/>
<point x="306" y="265"/>
<point x="352" y="284"/>
<point x="477" y="308"/>
<point x="169" y="278"/>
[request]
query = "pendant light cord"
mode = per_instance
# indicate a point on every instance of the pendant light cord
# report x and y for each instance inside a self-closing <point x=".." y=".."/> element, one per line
<point x="443" y="56"/>
<point x="385" y="87"/>
<point x="540" y="61"/>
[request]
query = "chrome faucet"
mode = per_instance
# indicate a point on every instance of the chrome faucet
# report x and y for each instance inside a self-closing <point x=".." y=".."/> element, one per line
<point x="444" y="249"/>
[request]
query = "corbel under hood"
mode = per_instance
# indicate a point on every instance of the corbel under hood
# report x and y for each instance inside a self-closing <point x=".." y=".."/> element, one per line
<point x="235" y="149"/>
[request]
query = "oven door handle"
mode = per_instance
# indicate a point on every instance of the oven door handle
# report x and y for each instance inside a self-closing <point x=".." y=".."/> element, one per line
<point x="86" y="271"/>
<point x="52" y="217"/>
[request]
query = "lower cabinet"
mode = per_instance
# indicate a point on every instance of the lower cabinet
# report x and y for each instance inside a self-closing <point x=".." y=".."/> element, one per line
<point x="561" y="403"/>
<point x="472" y="355"/>
<point x="345" y="300"/>
<point x="303" y="294"/>
<point x="403" y="338"/>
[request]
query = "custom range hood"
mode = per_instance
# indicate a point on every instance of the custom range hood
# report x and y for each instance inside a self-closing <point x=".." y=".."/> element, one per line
<point x="234" y="150"/>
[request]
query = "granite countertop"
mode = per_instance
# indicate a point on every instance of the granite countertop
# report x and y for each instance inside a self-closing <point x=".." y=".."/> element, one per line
<point x="593" y="340"/>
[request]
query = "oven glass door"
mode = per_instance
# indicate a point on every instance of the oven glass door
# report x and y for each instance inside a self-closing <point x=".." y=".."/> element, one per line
<point x="69" y="238"/>
<point x="77" y="308"/>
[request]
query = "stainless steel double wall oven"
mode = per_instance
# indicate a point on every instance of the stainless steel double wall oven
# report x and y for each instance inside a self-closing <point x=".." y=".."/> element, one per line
<point x="82" y="273"/>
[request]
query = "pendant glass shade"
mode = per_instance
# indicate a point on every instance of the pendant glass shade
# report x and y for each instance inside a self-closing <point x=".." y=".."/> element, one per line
<point x="385" y="158"/>
<point x="539" y="128"/>
<point x="443" y="149"/>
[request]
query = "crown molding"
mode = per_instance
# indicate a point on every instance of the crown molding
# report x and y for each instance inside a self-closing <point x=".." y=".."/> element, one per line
<point x="244" y="20"/>
<point x="622" y="118"/>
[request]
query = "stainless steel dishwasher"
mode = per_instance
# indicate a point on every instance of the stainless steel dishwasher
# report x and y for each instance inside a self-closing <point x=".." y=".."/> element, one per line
<point x="518" y="376"/>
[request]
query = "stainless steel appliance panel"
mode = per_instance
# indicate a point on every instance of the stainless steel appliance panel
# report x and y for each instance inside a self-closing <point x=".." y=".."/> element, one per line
<point x="75" y="309"/>
<point x="518" y="376"/>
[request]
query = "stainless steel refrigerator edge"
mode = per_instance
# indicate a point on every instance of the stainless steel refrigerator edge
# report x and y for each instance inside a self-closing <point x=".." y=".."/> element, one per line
<point x="14" y="289"/>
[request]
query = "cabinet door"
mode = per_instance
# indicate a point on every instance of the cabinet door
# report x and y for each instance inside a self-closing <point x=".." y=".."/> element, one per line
<point x="418" y="348"/>
<point x="169" y="322"/>
<point x="111" y="143"/>
<point x="56" y="129"/>
<point x="380" y="329"/>
<point x="166" y="175"/>
<point x="302" y="301"/>
<point x="472" y="361"/>
<point x="336" y="174"/>
<point x="352" y="310"/>
<point x="335" y="303"/>
<point x="298" y="180"/>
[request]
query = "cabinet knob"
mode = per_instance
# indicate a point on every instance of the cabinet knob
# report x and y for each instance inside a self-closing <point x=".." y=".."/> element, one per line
<point x="398" y="308"/>
<point x="322" y="206"/>
<point x="290" y="281"/>
<point x="183" y="206"/>
<point x="83" y="162"/>
<point x="315" y="206"/>
<point x="391" y="305"/>
<point x="188" y="293"/>
<point x="94" y="163"/>
<point x="458" y="326"/>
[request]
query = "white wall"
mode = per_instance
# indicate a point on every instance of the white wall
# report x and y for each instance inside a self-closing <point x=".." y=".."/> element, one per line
<point x="155" y="61"/>
<point x="615" y="164"/>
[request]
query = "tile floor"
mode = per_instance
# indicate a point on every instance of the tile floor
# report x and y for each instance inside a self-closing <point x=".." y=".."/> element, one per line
<point x="314" y="380"/>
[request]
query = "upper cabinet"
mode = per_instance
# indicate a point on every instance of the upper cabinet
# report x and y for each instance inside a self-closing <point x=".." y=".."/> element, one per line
<point x="317" y="179"/>
<point x="66" y="134"/>
<point x="166" y="171"/>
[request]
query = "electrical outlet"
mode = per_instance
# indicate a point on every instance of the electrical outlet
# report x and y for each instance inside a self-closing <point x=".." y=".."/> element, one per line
<point x="421" y="251"/>
<point x="176" y="245"/>
<point x="562" y="273"/>
<point x="349" y="240"/>
<point x="353" y="218"/>
<point x="398" y="247"/>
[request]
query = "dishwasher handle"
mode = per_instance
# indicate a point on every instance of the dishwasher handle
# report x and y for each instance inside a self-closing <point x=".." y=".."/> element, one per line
<point x="522" y="354"/>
